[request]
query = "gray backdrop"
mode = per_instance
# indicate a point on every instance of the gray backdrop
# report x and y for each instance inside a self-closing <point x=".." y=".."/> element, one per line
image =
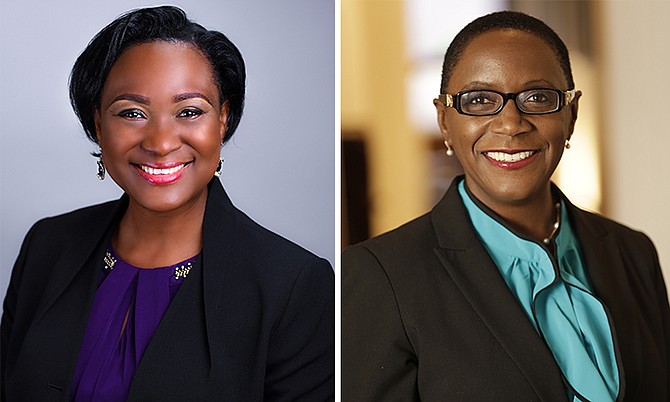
<point x="279" y="167"/>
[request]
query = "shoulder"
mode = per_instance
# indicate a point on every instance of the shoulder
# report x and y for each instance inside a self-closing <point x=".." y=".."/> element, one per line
<point x="66" y="230"/>
<point x="75" y="220"/>
<point x="414" y="244"/>
<point x="51" y="247"/>
<point x="269" y="255"/>
<point x="255" y="255"/>
<point x="225" y="223"/>
<point x="281" y="263"/>
<point x="268" y="244"/>
<point x="601" y="238"/>
<point x="397" y="256"/>
<point x="627" y="239"/>
<point x="413" y="236"/>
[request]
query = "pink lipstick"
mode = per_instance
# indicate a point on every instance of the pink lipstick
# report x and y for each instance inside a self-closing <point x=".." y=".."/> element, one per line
<point x="511" y="160"/>
<point x="161" y="173"/>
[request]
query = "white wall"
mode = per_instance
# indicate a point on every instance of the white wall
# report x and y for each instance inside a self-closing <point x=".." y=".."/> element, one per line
<point x="636" y="107"/>
<point x="279" y="168"/>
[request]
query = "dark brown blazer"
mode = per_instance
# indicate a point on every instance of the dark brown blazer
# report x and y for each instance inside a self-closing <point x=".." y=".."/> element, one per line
<point x="427" y="316"/>
<point x="255" y="323"/>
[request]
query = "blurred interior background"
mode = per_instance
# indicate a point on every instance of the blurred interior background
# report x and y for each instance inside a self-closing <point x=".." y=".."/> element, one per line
<point x="393" y="163"/>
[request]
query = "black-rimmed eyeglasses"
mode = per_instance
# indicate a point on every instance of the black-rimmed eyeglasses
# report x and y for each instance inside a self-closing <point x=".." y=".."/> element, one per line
<point x="487" y="103"/>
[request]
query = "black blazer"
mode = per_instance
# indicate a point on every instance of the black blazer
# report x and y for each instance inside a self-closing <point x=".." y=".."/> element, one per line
<point x="255" y="323"/>
<point x="427" y="316"/>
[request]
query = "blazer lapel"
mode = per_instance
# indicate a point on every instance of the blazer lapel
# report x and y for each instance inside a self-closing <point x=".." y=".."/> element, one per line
<point x="84" y="246"/>
<point x="61" y="317"/>
<point x="607" y="271"/>
<point x="190" y="320"/>
<point x="178" y="350"/>
<point x="218" y="244"/>
<point x="469" y="265"/>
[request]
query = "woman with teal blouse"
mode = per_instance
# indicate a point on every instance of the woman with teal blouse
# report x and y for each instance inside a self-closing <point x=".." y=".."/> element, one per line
<point x="505" y="290"/>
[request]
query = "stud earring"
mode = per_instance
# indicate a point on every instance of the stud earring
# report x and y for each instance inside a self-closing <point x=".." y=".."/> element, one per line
<point x="450" y="152"/>
<point x="101" y="167"/>
<point x="219" y="168"/>
<point x="567" y="144"/>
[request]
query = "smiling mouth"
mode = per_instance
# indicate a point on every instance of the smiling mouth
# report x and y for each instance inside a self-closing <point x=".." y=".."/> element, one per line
<point x="165" y="171"/>
<point x="168" y="174"/>
<point x="509" y="157"/>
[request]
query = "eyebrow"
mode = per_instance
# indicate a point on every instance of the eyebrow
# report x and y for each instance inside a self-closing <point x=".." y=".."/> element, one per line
<point x="132" y="97"/>
<point x="146" y="101"/>
<point x="475" y="85"/>
<point x="540" y="81"/>
<point x="191" y="95"/>
<point x="482" y="84"/>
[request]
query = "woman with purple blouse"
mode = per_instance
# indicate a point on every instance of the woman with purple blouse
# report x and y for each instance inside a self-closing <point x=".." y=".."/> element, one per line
<point x="169" y="293"/>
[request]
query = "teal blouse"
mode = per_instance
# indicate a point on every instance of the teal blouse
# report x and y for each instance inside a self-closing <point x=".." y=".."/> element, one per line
<point x="555" y="293"/>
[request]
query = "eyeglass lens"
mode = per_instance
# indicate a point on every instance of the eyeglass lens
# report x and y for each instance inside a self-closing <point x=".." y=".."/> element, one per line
<point x="532" y="101"/>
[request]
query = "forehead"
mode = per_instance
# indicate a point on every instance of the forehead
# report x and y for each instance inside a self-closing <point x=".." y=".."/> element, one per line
<point x="509" y="60"/>
<point x="161" y="67"/>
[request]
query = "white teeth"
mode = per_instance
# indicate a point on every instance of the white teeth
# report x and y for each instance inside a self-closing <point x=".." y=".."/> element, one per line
<point x="171" y="170"/>
<point x="505" y="157"/>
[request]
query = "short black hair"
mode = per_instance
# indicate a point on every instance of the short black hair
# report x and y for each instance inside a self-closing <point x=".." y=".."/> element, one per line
<point x="164" y="23"/>
<point x="504" y="20"/>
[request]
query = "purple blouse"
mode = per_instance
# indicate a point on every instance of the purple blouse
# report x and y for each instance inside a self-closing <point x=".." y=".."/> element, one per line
<point x="126" y="311"/>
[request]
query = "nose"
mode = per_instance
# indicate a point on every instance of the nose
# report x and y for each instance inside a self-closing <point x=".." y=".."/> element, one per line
<point x="510" y="121"/>
<point x="161" y="137"/>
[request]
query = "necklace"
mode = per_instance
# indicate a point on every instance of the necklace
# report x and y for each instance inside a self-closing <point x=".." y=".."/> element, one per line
<point x="556" y="225"/>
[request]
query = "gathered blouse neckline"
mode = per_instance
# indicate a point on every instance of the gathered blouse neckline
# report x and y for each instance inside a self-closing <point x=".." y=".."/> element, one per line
<point x="554" y="291"/>
<point x="126" y="312"/>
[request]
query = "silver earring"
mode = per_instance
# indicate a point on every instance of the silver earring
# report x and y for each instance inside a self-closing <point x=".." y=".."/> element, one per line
<point x="450" y="152"/>
<point x="219" y="168"/>
<point x="567" y="144"/>
<point x="101" y="168"/>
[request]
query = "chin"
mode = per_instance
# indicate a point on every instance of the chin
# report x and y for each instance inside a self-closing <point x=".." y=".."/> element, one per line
<point x="515" y="194"/>
<point x="168" y="199"/>
<point x="160" y="206"/>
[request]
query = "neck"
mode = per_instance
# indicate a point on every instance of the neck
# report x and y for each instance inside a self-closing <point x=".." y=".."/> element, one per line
<point x="151" y="239"/>
<point x="534" y="218"/>
<point x="536" y="222"/>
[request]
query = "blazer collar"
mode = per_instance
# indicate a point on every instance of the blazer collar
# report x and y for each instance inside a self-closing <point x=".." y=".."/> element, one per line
<point x="471" y="268"/>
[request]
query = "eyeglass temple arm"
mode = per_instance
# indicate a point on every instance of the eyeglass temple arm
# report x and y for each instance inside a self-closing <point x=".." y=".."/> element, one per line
<point x="446" y="99"/>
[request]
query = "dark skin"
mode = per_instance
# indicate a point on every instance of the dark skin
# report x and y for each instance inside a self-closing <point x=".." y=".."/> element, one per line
<point x="510" y="61"/>
<point x="160" y="127"/>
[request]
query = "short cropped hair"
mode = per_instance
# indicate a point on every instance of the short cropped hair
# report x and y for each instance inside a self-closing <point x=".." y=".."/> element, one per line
<point x="504" y="20"/>
<point x="164" y="23"/>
